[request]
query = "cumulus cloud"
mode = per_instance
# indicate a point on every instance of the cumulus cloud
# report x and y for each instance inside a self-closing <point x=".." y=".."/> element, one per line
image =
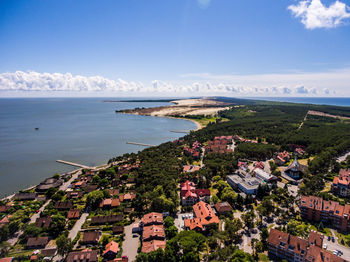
<point x="204" y="84"/>
<point x="314" y="14"/>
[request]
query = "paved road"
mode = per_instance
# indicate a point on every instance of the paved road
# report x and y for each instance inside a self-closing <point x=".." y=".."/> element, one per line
<point x="65" y="185"/>
<point x="77" y="226"/>
<point x="130" y="243"/>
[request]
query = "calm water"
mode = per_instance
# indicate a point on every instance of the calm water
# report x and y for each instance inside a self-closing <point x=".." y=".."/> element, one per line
<point x="81" y="130"/>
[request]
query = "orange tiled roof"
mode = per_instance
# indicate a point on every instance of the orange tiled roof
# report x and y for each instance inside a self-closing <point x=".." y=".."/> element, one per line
<point x="153" y="245"/>
<point x="153" y="231"/>
<point x="111" y="247"/>
<point x="152" y="218"/>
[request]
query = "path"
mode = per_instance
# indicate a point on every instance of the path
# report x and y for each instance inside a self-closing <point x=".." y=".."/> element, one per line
<point x="73" y="164"/>
<point x="130" y="244"/>
<point x="343" y="157"/>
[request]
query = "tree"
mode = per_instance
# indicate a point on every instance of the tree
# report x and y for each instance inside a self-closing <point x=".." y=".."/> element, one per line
<point x="241" y="256"/>
<point x="4" y="248"/>
<point x="64" y="245"/>
<point x="168" y="221"/>
<point x="94" y="198"/>
<point x="4" y="233"/>
<point x="248" y="219"/>
<point x="232" y="227"/>
<point x="31" y="230"/>
<point x="171" y="232"/>
<point x="58" y="223"/>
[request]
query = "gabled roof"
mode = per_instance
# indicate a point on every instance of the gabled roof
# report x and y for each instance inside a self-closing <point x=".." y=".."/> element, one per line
<point x="153" y="245"/>
<point x="153" y="231"/>
<point x="37" y="241"/>
<point x="73" y="213"/>
<point x="111" y="247"/>
<point x="43" y="222"/>
<point x="83" y="256"/>
<point x="223" y="207"/>
<point x="91" y="236"/>
<point x="152" y="218"/>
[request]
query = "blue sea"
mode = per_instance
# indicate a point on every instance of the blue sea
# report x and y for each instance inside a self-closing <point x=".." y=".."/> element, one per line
<point x="81" y="130"/>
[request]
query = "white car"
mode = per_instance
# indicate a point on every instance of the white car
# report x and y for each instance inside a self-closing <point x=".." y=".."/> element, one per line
<point x="324" y="246"/>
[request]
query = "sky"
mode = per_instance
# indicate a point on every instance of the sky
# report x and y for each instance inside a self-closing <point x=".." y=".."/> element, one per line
<point x="175" y="48"/>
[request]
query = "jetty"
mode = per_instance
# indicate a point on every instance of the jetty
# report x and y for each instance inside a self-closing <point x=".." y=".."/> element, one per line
<point x="139" y="144"/>
<point x="73" y="164"/>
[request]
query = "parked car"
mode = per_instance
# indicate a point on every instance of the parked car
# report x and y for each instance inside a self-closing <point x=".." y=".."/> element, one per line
<point x="333" y="239"/>
<point x="324" y="246"/>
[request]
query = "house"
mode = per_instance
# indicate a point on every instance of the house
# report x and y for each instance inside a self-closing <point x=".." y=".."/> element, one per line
<point x="264" y="176"/>
<point x="113" y="192"/>
<point x="203" y="194"/>
<point x="37" y="242"/>
<point x="73" y="214"/>
<point x="118" y="230"/>
<point x="341" y="183"/>
<point x="316" y="209"/>
<point x="63" y="205"/>
<point x="83" y="256"/>
<point x="204" y="215"/>
<point x="79" y="184"/>
<point x="5" y="220"/>
<point x="111" y="250"/>
<point x="153" y="232"/>
<point x="223" y="208"/>
<point x="187" y="194"/>
<point x="25" y="196"/>
<point x="49" y="253"/>
<point x="190" y="195"/>
<point x="110" y="203"/>
<point x="43" y="222"/>
<point x="295" y="170"/>
<point x="49" y="183"/>
<point x="152" y="245"/>
<point x="6" y="259"/>
<point x="91" y="237"/>
<point x="242" y="165"/>
<point x="4" y="208"/>
<point x="282" y="245"/>
<point x="281" y="158"/>
<point x="153" y="218"/>
<point x="259" y="164"/>
<point x="191" y="168"/>
<point x="247" y="184"/>
<point x="90" y="188"/>
<point x="111" y="219"/>
<point x="128" y="197"/>
<point x="74" y="194"/>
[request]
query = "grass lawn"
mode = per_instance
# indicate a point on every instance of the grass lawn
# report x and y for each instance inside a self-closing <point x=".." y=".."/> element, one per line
<point x="263" y="257"/>
<point x="21" y="253"/>
<point x="205" y="121"/>
<point x="341" y="239"/>
<point x="327" y="187"/>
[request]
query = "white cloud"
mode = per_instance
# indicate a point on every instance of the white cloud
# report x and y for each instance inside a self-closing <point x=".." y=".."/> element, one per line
<point x="314" y="14"/>
<point x="56" y="84"/>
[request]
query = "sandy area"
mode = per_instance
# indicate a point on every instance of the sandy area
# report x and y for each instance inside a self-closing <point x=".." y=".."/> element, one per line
<point x="185" y="111"/>
<point x="317" y="113"/>
<point x="198" y="102"/>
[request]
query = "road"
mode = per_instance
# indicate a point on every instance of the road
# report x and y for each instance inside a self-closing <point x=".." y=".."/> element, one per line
<point x="77" y="226"/>
<point x="130" y="244"/>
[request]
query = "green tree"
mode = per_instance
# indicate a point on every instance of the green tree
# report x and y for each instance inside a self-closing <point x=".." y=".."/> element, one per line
<point x="241" y="256"/>
<point x="64" y="245"/>
<point x="31" y="230"/>
<point x="94" y="198"/>
<point x="168" y="221"/>
<point x="4" y="233"/>
<point x="171" y="232"/>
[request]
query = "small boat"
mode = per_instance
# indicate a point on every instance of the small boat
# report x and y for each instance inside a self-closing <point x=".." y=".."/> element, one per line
<point x="37" y="128"/>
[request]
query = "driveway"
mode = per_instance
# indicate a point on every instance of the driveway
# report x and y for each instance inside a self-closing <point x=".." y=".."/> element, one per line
<point x="130" y="244"/>
<point x="179" y="221"/>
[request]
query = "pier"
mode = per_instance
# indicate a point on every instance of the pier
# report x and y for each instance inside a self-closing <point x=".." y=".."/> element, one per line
<point x="73" y="164"/>
<point x="138" y="144"/>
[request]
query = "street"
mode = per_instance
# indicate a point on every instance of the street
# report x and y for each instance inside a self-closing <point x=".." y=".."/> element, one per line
<point x="130" y="244"/>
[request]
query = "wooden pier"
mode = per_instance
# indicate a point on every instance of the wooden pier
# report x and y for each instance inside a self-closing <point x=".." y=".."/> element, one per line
<point x="138" y="144"/>
<point x="73" y="164"/>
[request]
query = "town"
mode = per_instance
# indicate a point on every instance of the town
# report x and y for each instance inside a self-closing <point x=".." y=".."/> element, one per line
<point x="232" y="197"/>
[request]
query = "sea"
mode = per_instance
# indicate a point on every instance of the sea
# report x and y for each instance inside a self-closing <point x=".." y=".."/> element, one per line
<point x="80" y="130"/>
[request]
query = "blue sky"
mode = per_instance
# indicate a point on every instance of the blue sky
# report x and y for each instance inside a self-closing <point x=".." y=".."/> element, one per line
<point x="177" y="47"/>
